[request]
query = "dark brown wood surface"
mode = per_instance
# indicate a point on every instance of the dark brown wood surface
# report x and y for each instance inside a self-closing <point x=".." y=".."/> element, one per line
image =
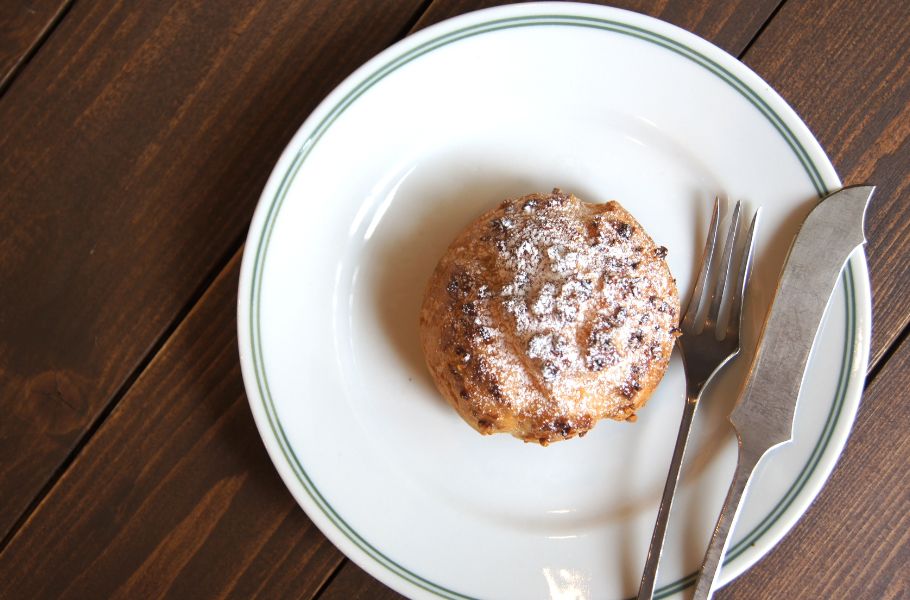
<point x="134" y="148"/>
<point x="134" y="140"/>
<point x="23" y="26"/>
<point x="175" y="494"/>
<point x="845" y="67"/>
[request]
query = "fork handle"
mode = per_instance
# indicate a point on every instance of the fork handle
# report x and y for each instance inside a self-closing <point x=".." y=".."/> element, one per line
<point x="649" y="576"/>
<point x="717" y="548"/>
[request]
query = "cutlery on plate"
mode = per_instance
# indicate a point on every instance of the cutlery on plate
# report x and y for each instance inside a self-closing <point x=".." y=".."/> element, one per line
<point x="706" y="344"/>
<point x="763" y="415"/>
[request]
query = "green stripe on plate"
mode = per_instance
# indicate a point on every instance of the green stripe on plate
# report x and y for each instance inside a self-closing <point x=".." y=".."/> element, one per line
<point x="381" y="72"/>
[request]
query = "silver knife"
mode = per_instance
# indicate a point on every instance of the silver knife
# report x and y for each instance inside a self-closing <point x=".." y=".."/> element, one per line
<point x="763" y="416"/>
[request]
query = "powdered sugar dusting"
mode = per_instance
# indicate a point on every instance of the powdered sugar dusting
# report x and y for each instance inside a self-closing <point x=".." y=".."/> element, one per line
<point x="568" y="313"/>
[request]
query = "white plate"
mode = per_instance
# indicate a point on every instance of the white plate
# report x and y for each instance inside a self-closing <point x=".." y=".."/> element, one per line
<point x="607" y="104"/>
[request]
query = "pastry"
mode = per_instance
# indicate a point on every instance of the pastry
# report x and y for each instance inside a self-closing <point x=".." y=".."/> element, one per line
<point x="547" y="314"/>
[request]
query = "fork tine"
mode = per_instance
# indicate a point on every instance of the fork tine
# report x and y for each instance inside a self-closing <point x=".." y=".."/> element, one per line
<point x="742" y="278"/>
<point x="695" y="301"/>
<point x="723" y="273"/>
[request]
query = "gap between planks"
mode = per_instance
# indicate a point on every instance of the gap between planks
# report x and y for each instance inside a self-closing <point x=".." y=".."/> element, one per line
<point x="235" y="247"/>
<point x="33" y="49"/>
<point x="220" y="264"/>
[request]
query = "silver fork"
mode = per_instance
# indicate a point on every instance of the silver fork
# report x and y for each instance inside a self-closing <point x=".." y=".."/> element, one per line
<point x="706" y="346"/>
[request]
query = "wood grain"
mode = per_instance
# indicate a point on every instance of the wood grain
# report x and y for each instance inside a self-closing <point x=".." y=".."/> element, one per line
<point x="134" y="148"/>
<point x="731" y="25"/>
<point x="854" y="542"/>
<point x="845" y="67"/>
<point x="175" y="495"/>
<point x="353" y="583"/>
<point x="23" y="25"/>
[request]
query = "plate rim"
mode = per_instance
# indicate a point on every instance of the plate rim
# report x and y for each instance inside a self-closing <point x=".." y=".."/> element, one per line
<point x="807" y="149"/>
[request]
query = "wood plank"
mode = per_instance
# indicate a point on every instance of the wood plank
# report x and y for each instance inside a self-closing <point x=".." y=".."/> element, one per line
<point x="845" y="67"/>
<point x="135" y="146"/>
<point x="146" y="513"/>
<point x="175" y="494"/>
<point x="23" y="26"/>
<point x="731" y="25"/>
<point x="854" y="542"/>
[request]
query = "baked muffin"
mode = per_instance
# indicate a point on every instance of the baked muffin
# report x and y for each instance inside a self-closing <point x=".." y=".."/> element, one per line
<point x="548" y="314"/>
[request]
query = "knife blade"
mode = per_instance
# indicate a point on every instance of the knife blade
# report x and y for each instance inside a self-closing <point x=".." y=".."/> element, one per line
<point x="763" y="415"/>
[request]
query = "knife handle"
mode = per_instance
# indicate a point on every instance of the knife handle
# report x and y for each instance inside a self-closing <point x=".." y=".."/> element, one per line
<point x="704" y="586"/>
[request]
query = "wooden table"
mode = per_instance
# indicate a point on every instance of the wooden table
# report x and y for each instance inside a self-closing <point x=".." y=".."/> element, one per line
<point x="135" y="138"/>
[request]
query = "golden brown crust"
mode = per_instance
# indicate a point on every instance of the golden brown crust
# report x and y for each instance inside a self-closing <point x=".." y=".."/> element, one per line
<point x="547" y="314"/>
